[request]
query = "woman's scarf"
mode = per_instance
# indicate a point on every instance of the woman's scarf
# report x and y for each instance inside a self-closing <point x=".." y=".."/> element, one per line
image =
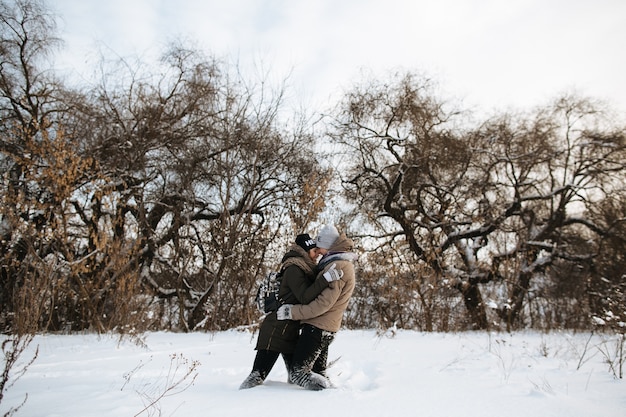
<point x="302" y="261"/>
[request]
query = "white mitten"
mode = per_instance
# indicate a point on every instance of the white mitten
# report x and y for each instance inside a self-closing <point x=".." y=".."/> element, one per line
<point x="284" y="312"/>
<point x="333" y="274"/>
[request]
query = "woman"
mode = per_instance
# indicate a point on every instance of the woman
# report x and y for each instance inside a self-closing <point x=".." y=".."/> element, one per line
<point x="298" y="285"/>
<point x="321" y="319"/>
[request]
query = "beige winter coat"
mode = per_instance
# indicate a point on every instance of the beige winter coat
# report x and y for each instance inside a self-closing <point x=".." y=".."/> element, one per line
<point x="326" y="311"/>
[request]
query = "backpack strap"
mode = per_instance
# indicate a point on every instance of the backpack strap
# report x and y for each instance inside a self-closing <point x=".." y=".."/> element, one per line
<point x="281" y="301"/>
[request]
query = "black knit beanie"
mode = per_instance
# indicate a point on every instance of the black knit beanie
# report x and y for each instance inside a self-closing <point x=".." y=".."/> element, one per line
<point x="306" y="242"/>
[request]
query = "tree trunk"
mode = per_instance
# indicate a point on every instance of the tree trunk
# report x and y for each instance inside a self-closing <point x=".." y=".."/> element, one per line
<point x="475" y="307"/>
<point x="517" y="300"/>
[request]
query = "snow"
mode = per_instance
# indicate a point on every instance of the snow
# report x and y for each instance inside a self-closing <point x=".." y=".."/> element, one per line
<point x="399" y="373"/>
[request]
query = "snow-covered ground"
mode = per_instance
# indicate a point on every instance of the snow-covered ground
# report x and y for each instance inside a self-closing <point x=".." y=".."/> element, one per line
<point x="400" y="373"/>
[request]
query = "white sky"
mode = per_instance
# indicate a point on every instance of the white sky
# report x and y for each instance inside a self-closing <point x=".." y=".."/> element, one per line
<point x="489" y="53"/>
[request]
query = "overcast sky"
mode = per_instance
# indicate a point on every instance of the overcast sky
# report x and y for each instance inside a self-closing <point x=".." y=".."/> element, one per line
<point x="488" y="53"/>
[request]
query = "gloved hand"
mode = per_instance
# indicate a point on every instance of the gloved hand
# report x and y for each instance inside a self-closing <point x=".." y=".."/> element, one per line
<point x="333" y="274"/>
<point x="284" y="312"/>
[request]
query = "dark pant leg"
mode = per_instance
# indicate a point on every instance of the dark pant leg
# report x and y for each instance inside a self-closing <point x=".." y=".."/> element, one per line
<point x="288" y="358"/>
<point x="307" y="348"/>
<point x="319" y="367"/>
<point x="321" y="363"/>
<point x="312" y="349"/>
<point x="264" y="362"/>
<point x="311" y="344"/>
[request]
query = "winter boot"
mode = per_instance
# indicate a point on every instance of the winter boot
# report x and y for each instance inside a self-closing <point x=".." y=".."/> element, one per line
<point x="309" y="380"/>
<point x="252" y="380"/>
<point x="318" y="382"/>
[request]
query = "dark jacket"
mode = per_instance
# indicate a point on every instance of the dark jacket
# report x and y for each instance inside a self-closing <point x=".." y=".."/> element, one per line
<point x="298" y="286"/>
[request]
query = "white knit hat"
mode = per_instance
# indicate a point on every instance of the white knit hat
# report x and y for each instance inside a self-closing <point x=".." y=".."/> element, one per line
<point x="327" y="236"/>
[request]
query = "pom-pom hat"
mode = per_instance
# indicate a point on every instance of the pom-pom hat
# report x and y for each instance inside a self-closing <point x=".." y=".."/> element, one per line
<point x="327" y="236"/>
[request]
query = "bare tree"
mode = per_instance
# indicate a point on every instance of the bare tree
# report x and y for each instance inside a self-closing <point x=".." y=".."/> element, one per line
<point x="542" y="173"/>
<point x="204" y="177"/>
<point x="408" y="177"/>
<point x="475" y="207"/>
<point x="605" y="283"/>
<point x="32" y="160"/>
<point x="148" y="201"/>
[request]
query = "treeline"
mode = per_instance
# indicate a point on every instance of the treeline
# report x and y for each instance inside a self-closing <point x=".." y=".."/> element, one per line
<point x="156" y="198"/>
<point x="517" y="221"/>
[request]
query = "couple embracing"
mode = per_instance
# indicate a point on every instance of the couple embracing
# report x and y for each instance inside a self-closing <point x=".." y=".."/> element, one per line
<point x="314" y="297"/>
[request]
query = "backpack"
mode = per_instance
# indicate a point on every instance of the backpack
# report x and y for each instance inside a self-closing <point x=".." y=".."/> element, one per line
<point x="267" y="299"/>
